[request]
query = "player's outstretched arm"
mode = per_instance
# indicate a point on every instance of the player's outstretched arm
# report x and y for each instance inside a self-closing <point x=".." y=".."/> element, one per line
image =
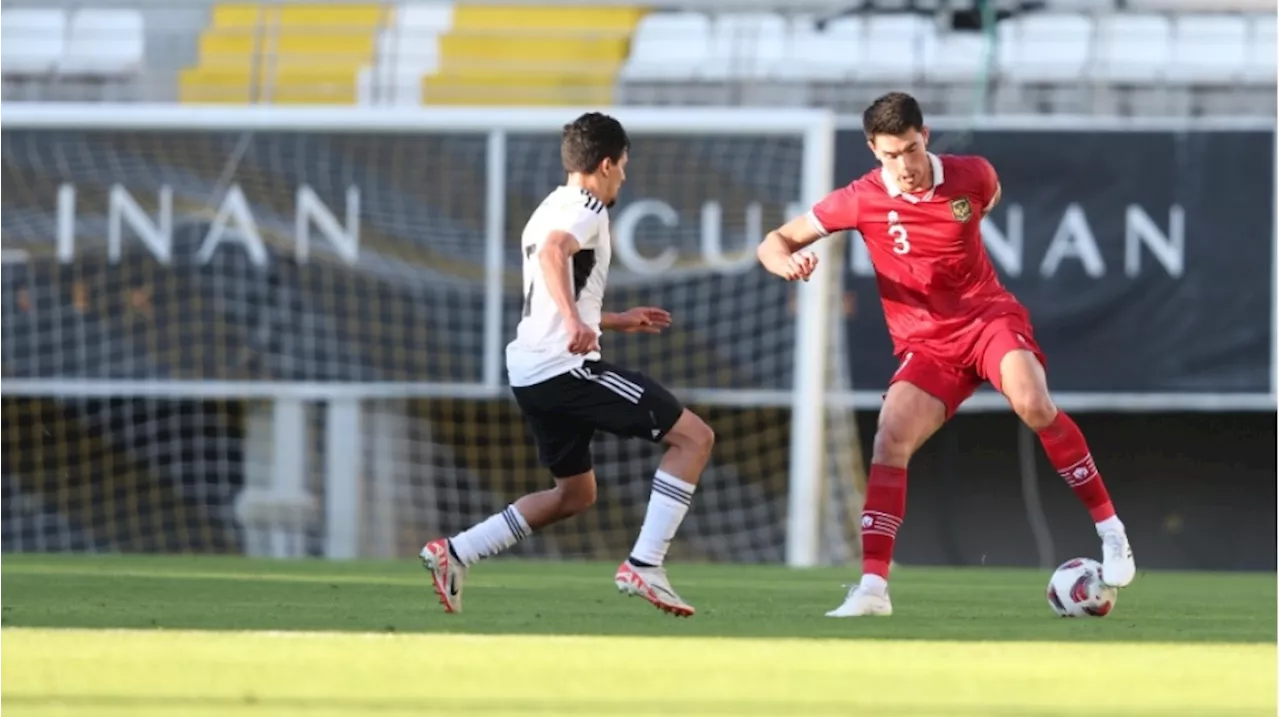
<point x="783" y="254"/>
<point x="641" y="319"/>
<point x="554" y="256"/>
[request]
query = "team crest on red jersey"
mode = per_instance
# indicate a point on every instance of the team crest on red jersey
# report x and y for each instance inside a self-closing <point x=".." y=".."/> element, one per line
<point x="961" y="209"/>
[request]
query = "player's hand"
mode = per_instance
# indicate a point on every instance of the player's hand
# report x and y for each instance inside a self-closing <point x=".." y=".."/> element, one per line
<point x="643" y="320"/>
<point x="799" y="265"/>
<point x="582" y="339"/>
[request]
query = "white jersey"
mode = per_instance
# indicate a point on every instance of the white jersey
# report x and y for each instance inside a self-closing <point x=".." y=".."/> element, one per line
<point x="541" y="348"/>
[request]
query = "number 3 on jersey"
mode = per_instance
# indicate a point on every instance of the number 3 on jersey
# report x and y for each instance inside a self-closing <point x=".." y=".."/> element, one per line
<point x="901" y="244"/>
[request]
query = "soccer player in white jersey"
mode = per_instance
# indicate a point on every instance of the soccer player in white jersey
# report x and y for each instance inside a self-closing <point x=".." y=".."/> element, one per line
<point x="567" y="392"/>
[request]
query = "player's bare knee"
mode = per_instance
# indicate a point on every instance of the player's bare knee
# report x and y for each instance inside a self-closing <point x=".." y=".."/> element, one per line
<point x="576" y="494"/>
<point x="1035" y="408"/>
<point x="893" y="445"/>
<point x="692" y="433"/>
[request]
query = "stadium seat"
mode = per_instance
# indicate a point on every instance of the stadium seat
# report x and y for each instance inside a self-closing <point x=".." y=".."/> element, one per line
<point x="1133" y="49"/>
<point x="104" y="42"/>
<point x="895" y="47"/>
<point x="668" y="46"/>
<point x="293" y="54"/>
<point x="957" y="56"/>
<point x="1260" y="65"/>
<point x="1200" y="6"/>
<point x="1045" y="47"/>
<point x="32" y="41"/>
<point x="521" y="55"/>
<point x="1208" y="48"/>
<point x="1061" y="7"/>
<point x="743" y="45"/>
<point x="408" y="50"/>
<point x="830" y="54"/>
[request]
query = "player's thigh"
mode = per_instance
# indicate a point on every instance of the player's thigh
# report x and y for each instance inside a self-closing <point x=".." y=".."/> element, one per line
<point x="1013" y="362"/>
<point x="1009" y="357"/>
<point x="623" y="402"/>
<point x="949" y="385"/>
<point x="564" y="442"/>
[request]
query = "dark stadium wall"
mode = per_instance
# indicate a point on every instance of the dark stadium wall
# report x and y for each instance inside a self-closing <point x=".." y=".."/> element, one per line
<point x="1197" y="491"/>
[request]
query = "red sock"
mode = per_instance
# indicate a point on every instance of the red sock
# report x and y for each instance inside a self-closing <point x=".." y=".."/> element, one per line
<point x="882" y="516"/>
<point x="1070" y="456"/>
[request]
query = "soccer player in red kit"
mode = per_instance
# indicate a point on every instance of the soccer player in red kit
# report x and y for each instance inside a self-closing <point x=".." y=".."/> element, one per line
<point x="953" y="326"/>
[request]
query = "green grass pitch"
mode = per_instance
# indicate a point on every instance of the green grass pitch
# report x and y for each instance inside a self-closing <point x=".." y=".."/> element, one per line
<point x="152" y="636"/>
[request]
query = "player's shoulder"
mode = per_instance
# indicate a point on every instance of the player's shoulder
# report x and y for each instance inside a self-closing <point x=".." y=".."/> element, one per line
<point x="965" y="166"/>
<point x="575" y="204"/>
<point x="870" y="184"/>
<point x="873" y="180"/>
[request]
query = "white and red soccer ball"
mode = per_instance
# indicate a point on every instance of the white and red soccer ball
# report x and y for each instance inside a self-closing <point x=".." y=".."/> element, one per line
<point x="1076" y="590"/>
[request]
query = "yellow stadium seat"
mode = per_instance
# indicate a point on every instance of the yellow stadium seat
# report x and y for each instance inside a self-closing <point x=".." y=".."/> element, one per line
<point x="366" y="17"/>
<point x="238" y="17"/>
<point x="569" y="19"/>
<point x="534" y="52"/>
<point x="522" y="55"/>
<point x="290" y="54"/>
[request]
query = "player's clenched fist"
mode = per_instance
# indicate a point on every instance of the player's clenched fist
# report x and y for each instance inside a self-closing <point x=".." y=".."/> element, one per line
<point x="799" y="265"/>
<point x="582" y="338"/>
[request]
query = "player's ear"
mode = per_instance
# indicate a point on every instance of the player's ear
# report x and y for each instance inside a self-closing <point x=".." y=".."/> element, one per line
<point x="924" y="135"/>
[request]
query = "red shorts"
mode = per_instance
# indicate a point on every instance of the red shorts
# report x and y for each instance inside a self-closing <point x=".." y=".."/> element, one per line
<point x="954" y="381"/>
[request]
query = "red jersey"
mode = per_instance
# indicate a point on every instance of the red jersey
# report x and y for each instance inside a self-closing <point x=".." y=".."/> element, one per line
<point x="936" y="282"/>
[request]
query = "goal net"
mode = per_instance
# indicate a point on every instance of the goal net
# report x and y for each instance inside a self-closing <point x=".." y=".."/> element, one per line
<point x="282" y="334"/>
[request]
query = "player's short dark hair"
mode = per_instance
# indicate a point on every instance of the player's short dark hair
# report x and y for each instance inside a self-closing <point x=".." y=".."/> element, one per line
<point x="895" y="113"/>
<point x="589" y="140"/>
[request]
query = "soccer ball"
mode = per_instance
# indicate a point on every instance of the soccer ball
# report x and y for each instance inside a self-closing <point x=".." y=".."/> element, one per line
<point x="1076" y="590"/>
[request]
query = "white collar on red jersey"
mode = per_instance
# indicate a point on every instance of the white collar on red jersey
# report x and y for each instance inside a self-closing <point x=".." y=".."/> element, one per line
<point x="891" y="184"/>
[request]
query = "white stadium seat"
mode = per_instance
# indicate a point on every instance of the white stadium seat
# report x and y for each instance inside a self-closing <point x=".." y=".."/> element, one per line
<point x="409" y="49"/>
<point x="1045" y="47"/>
<point x="104" y="42"/>
<point x="1191" y="6"/>
<point x="1260" y="65"/>
<point x="831" y="54"/>
<point x="668" y="46"/>
<point x="743" y="45"/>
<point x="1209" y="48"/>
<point x="1133" y="49"/>
<point x="957" y="56"/>
<point x="32" y="41"/>
<point x="895" y="47"/>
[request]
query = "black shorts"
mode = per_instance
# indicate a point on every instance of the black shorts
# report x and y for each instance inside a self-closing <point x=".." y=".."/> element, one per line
<point x="564" y="412"/>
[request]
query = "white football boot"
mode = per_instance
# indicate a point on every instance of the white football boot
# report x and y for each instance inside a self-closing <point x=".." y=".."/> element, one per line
<point x="1118" y="567"/>
<point x="447" y="574"/>
<point x="652" y="585"/>
<point x="861" y="602"/>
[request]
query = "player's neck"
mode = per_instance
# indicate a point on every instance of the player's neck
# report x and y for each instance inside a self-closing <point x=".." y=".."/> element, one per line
<point x="584" y="181"/>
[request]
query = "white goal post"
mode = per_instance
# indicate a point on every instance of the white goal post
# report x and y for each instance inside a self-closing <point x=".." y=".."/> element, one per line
<point x="304" y="194"/>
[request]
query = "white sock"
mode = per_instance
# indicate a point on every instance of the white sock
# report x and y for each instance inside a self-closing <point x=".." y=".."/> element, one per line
<point x="874" y="584"/>
<point x="668" y="503"/>
<point x="1109" y="525"/>
<point x="494" y="535"/>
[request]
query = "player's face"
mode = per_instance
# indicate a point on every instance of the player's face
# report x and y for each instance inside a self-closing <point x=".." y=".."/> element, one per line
<point x="614" y="174"/>
<point x="905" y="157"/>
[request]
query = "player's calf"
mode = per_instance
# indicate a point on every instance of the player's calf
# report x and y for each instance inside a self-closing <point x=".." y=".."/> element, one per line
<point x="1023" y="382"/>
<point x="689" y="442"/>
<point x="909" y="416"/>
